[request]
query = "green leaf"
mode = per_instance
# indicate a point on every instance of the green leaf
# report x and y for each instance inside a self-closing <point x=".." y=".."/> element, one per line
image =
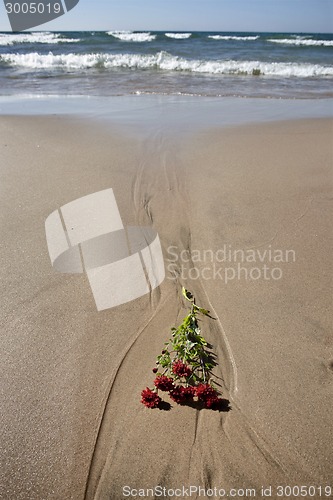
<point x="204" y="311"/>
<point x="188" y="345"/>
<point x="188" y="296"/>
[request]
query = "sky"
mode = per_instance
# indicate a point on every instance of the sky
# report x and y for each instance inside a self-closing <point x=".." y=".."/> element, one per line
<point x="190" y="15"/>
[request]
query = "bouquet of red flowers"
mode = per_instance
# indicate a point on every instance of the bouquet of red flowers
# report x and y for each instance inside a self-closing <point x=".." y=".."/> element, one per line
<point x="184" y="368"/>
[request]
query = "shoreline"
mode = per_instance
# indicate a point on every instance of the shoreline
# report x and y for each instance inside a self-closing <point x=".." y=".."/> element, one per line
<point x="72" y="376"/>
<point x="169" y="115"/>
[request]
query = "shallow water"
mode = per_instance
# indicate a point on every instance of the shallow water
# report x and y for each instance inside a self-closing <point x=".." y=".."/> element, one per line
<point x="169" y="114"/>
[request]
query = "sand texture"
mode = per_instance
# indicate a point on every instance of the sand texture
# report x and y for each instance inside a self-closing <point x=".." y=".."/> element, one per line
<point x="72" y="426"/>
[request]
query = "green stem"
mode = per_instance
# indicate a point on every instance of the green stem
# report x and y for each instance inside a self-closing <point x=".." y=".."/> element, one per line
<point x="203" y="369"/>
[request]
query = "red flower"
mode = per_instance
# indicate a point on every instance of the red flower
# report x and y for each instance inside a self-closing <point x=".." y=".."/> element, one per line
<point x="189" y="392"/>
<point x="150" y="398"/>
<point x="211" y="402"/>
<point x="181" y="369"/>
<point x="205" y="392"/>
<point x="214" y="403"/>
<point x="163" y="383"/>
<point x="177" y="394"/>
<point x="182" y="394"/>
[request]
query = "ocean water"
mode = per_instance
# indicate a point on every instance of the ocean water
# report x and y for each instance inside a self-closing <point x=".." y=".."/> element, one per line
<point x="114" y="63"/>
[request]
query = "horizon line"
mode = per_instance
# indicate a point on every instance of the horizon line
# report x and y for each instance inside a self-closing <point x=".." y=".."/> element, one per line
<point x="164" y="30"/>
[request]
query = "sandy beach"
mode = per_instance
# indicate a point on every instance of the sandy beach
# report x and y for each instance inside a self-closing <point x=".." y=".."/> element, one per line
<point x="71" y="421"/>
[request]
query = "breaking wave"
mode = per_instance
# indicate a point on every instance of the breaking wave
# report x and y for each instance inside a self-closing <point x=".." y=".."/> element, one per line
<point x="230" y="37"/>
<point x="164" y="61"/>
<point x="302" y="41"/>
<point x="128" y="36"/>
<point x="178" y="36"/>
<point x="45" y="37"/>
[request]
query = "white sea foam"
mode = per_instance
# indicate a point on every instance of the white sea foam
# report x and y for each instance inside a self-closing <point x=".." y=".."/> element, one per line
<point x="178" y="36"/>
<point x="128" y="36"/>
<point x="165" y="61"/>
<point x="302" y="41"/>
<point x="118" y="32"/>
<point x="301" y="37"/>
<point x="34" y="60"/>
<point x="230" y="37"/>
<point x="45" y="37"/>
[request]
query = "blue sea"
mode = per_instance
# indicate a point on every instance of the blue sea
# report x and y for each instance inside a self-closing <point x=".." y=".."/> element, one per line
<point x="266" y="65"/>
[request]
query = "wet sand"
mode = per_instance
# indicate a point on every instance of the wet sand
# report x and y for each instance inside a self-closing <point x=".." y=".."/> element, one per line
<point x="71" y="420"/>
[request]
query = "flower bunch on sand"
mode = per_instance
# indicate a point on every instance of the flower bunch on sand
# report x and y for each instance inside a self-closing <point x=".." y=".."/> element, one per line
<point x="184" y="367"/>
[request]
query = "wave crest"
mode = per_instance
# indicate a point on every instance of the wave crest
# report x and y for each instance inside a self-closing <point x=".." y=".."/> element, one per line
<point x="302" y="41"/>
<point x="230" y="37"/>
<point x="45" y="37"/>
<point x="128" y="36"/>
<point x="178" y="36"/>
<point x="165" y="61"/>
